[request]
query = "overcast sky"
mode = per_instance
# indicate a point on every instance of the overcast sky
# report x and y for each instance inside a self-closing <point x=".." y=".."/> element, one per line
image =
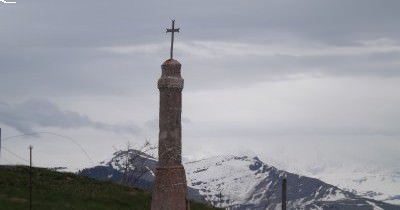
<point x="306" y="85"/>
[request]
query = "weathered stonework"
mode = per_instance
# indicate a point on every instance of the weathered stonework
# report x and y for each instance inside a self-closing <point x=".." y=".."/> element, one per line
<point x="169" y="191"/>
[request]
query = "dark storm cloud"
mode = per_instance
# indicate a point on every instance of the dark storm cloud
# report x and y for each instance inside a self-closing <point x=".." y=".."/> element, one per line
<point x="26" y="116"/>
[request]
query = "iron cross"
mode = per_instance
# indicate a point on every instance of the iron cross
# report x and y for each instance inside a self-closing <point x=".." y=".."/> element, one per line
<point x="172" y="30"/>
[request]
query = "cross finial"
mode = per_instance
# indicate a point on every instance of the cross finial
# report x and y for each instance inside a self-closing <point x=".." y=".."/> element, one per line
<point x="172" y="30"/>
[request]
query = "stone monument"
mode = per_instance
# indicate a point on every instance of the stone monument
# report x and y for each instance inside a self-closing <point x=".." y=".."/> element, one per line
<point x="169" y="190"/>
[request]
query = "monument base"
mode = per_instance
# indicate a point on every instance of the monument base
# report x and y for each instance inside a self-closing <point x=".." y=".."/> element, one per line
<point x="169" y="189"/>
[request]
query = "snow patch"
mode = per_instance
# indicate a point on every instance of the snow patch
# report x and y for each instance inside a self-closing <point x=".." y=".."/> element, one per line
<point x="374" y="206"/>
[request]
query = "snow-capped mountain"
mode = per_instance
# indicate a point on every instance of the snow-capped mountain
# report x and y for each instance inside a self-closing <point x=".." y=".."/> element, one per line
<point x="240" y="182"/>
<point x="382" y="185"/>
<point x="130" y="167"/>
<point x="368" y="180"/>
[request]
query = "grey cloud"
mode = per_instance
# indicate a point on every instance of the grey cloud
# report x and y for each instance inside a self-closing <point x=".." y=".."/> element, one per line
<point x="47" y="23"/>
<point x="152" y="124"/>
<point x="292" y="131"/>
<point x="238" y="71"/>
<point x="41" y="72"/>
<point x="33" y="113"/>
<point x="47" y="72"/>
<point x="52" y="48"/>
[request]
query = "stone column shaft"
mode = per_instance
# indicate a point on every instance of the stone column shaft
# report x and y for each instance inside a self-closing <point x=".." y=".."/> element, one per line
<point x="169" y="191"/>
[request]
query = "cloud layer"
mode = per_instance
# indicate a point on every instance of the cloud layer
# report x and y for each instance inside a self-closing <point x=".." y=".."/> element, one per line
<point x="279" y="75"/>
<point x="40" y="113"/>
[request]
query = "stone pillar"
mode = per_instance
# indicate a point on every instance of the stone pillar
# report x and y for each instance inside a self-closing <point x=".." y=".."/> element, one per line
<point x="169" y="190"/>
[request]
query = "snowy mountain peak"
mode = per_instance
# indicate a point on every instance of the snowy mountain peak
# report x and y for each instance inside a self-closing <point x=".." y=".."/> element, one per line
<point x="242" y="182"/>
<point x="245" y="182"/>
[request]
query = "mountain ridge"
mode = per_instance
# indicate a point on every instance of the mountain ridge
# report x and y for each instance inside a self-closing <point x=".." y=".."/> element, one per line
<point x="245" y="182"/>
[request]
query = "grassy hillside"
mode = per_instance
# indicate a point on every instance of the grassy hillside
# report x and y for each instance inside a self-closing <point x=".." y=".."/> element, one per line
<point x="59" y="191"/>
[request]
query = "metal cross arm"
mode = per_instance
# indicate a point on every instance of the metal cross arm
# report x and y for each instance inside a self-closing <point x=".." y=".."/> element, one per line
<point x="172" y="30"/>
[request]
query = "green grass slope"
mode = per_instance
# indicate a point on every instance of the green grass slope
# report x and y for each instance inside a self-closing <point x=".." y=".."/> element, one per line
<point x="59" y="191"/>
